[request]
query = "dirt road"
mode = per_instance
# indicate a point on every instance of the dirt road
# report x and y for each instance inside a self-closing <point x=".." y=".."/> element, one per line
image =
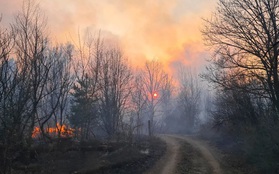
<point x="168" y="163"/>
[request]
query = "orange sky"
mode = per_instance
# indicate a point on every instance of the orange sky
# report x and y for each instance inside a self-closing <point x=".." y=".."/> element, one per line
<point x="168" y="30"/>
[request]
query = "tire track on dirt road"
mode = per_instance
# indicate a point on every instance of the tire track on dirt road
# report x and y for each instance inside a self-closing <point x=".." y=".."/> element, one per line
<point x="206" y="153"/>
<point x="168" y="163"/>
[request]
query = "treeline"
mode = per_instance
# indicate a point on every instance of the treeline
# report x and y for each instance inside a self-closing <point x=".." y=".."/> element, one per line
<point x="244" y="72"/>
<point x="82" y="91"/>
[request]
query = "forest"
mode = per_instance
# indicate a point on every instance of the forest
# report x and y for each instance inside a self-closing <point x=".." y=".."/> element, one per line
<point x="85" y="95"/>
<point x="54" y="92"/>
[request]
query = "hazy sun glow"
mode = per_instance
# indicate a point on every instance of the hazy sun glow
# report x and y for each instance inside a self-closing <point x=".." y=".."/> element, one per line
<point x="168" y="30"/>
<point x="155" y="95"/>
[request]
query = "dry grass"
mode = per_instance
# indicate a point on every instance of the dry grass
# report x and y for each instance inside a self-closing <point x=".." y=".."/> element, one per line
<point x="95" y="157"/>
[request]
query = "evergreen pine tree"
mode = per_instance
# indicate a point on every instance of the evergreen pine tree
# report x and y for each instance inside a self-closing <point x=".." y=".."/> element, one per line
<point x="83" y="113"/>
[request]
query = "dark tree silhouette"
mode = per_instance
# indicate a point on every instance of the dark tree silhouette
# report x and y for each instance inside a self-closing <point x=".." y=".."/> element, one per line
<point x="85" y="104"/>
<point x="245" y="37"/>
<point x="115" y="78"/>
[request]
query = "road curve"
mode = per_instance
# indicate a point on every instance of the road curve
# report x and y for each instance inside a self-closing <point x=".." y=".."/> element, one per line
<point x="206" y="153"/>
<point x="167" y="164"/>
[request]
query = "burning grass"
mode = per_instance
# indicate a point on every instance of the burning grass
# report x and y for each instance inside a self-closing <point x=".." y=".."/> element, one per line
<point x="57" y="131"/>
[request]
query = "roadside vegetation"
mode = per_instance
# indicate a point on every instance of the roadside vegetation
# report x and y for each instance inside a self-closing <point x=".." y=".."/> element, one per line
<point x="244" y="73"/>
<point x="67" y="156"/>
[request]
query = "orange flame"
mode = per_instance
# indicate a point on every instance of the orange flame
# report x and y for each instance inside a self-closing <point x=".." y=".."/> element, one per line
<point x="64" y="130"/>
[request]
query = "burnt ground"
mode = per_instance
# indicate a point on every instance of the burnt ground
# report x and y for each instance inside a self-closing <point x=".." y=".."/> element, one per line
<point x="94" y="157"/>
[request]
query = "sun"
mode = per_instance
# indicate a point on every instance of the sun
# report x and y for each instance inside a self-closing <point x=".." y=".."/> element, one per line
<point x="155" y="95"/>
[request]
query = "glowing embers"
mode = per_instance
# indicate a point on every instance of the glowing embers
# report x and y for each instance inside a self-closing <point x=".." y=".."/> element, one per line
<point x="59" y="130"/>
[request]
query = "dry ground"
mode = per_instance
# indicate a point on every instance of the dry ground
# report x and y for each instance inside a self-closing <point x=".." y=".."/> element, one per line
<point x="186" y="155"/>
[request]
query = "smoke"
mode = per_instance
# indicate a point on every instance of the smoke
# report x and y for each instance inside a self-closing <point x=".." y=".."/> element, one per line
<point x="160" y="29"/>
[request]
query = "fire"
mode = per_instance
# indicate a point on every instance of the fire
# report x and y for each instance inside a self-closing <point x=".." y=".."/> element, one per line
<point x="36" y="132"/>
<point x="64" y="130"/>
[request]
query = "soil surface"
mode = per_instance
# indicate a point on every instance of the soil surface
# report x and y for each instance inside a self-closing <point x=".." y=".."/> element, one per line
<point x="167" y="164"/>
<point x="200" y="158"/>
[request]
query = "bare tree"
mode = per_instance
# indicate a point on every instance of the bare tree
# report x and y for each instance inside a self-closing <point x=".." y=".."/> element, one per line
<point x="6" y="46"/>
<point x="189" y="100"/>
<point x="167" y="100"/>
<point x="65" y="81"/>
<point x="54" y="105"/>
<point x="23" y="78"/>
<point x="139" y="102"/>
<point x="154" y="81"/>
<point x="245" y="37"/>
<point x="8" y="117"/>
<point x="30" y="48"/>
<point x="115" y="90"/>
